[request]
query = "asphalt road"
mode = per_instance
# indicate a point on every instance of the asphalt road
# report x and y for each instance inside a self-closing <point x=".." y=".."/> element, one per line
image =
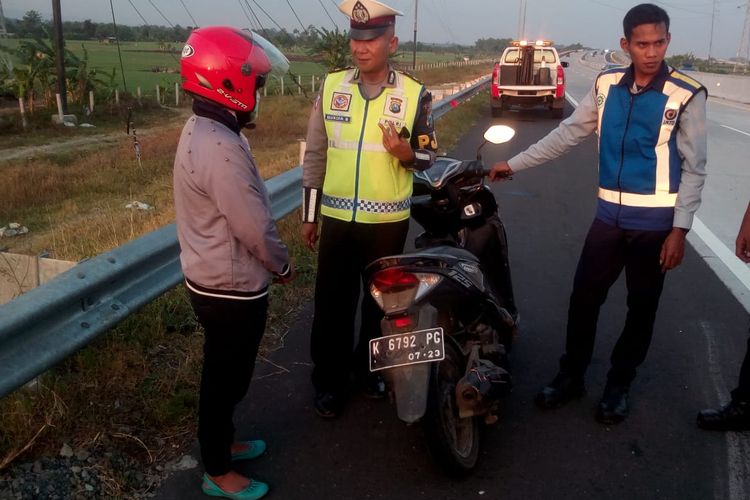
<point x="658" y="453"/>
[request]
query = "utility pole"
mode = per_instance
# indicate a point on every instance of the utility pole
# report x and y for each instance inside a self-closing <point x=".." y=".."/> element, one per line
<point x="711" y="37"/>
<point x="521" y="19"/>
<point x="3" y="30"/>
<point x="414" y="54"/>
<point x="60" y="52"/>
<point x="744" y="49"/>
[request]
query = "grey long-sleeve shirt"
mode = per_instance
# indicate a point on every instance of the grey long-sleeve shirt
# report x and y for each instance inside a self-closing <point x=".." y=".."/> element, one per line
<point x="691" y="145"/>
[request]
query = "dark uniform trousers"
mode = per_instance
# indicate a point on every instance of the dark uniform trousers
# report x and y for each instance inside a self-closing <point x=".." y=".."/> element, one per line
<point x="345" y="249"/>
<point x="742" y="392"/>
<point x="606" y="251"/>
<point x="233" y="330"/>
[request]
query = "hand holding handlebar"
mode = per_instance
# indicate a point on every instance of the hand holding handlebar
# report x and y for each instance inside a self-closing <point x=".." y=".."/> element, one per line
<point x="500" y="170"/>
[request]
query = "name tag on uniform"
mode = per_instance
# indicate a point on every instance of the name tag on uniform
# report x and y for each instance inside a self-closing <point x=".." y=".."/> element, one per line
<point x="396" y="123"/>
<point x="338" y="118"/>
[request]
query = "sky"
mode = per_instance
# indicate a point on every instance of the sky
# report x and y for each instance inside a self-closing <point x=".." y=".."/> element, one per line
<point x="594" y="23"/>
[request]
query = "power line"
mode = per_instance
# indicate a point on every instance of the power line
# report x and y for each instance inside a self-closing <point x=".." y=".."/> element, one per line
<point x="244" y="11"/>
<point x="295" y="15"/>
<point x="195" y="23"/>
<point x="161" y="13"/>
<point x="138" y="12"/>
<point x="117" y="40"/>
<point x="260" y="25"/>
<point x="268" y="15"/>
<point x="327" y="14"/>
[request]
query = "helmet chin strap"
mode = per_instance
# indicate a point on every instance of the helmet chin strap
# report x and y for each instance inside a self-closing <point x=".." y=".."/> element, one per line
<point x="244" y="119"/>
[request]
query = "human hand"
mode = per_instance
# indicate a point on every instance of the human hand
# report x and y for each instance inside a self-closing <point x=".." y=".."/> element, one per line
<point x="673" y="249"/>
<point x="309" y="232"/>
<point x="742" y="245"/>
<point x="500" y="170"/>
<point x="395" y="144"/>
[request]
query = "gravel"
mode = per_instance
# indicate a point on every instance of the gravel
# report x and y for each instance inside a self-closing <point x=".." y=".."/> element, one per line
<point x="87" y="473"/>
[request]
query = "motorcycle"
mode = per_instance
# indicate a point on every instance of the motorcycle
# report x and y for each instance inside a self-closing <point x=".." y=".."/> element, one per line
<point x="449" y="318"/>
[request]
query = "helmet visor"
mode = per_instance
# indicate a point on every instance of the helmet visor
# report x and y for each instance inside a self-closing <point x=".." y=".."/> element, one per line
<point x="279" y="62"/>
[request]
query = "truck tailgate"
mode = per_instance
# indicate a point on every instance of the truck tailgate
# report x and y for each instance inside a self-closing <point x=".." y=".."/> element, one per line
<point x="536" y="88"/>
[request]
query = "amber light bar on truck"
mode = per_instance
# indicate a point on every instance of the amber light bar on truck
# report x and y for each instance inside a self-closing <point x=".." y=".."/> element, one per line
<point x="538" y="43"/>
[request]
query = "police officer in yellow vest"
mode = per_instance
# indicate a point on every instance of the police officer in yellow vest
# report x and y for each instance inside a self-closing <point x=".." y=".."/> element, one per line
<point x="370" y="127"/>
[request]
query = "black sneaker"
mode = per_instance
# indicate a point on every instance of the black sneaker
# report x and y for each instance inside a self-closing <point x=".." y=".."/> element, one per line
<point x="613" y="407"/>
<point x="328" y="404"/>
<point x="562" y="389"/>
<point x="734" y="416"/>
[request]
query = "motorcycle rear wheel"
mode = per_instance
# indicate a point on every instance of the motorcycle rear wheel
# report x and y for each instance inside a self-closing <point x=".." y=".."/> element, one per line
<point x="453" y="442"/>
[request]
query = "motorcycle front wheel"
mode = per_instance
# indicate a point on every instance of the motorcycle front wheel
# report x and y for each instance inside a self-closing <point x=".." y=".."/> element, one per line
<point x="453" y="441"/>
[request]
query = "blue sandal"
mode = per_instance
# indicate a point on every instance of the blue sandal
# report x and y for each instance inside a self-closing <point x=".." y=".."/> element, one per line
<point x="255" y="448"/>
<point x="254" y="491"/>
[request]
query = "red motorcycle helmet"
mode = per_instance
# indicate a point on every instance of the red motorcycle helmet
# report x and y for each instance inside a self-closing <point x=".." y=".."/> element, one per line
<point x="226" y="65"/>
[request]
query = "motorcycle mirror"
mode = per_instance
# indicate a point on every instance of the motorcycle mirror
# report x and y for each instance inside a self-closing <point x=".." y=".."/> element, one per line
<point x="498" y="134"/>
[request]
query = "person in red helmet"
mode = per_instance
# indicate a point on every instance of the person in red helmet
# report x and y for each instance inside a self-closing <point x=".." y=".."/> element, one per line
<point x="230" y="248"/>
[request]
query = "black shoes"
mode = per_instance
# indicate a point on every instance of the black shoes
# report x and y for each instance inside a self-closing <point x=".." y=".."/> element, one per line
<point x="373" y="386"/>
<point x="328" y="404"/>
<point x="561" y="390"/>
<point x="735" y="416"/>
<point x="613" y="407"/>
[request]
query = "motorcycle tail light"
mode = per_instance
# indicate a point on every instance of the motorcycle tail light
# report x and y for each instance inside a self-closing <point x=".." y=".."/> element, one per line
<point x="395" y="289"/>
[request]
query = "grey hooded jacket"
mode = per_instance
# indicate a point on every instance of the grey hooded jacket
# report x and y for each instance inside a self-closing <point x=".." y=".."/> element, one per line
<point x="229" y="243"/>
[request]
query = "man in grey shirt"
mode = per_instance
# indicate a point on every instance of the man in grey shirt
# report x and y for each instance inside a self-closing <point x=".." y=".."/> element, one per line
<point x="650" y="119"/>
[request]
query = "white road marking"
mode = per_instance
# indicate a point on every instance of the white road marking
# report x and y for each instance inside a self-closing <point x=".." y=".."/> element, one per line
<point x="738" y="268"/>
<point x="738" y="445"/>
<point x="736" y="130"/>
<point x="571" y="100"/>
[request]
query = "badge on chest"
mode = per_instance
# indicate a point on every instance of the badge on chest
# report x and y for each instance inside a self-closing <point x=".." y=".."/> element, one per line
<point x="395" y="106"/>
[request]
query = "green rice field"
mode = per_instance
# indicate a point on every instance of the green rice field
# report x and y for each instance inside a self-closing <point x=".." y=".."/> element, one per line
<point x="148" y="64"/>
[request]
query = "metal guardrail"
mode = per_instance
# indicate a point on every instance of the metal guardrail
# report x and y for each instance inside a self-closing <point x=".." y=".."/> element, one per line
<point x="43" y="326"/>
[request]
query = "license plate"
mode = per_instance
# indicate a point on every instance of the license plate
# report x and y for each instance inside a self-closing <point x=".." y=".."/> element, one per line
<point x="410" y="348"/>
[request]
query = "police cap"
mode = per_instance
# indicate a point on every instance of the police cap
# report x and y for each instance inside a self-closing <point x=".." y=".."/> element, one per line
<point x="368" y="18"/>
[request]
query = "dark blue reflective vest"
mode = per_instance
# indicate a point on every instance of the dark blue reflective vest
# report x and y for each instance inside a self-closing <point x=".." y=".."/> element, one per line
<point x="639" y="165"/>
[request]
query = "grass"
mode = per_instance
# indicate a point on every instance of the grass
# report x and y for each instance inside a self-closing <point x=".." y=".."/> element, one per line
<point x="136" y="387"/>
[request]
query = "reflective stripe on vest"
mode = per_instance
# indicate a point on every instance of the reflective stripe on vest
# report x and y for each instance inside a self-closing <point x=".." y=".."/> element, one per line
<point x="633" y="171"/>
<point x="364" y="182"/>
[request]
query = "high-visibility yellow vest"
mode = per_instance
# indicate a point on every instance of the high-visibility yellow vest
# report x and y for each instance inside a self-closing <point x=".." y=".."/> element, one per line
<point x="363" y="182"/>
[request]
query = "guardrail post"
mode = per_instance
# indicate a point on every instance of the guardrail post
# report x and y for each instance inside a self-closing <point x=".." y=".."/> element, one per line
<point x="91" y="101"/>
<point x="158" y="95"/>
<point x="177" y="94"/>
<point x="299" y="84"/>
<point x="312" y="83"/>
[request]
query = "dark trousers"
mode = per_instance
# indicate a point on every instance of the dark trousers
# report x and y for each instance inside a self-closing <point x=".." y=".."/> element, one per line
<point x="233" y="330"/>
<point x="742" y="392"/>
<point x="346" y="248"/>
<point x="606" y="252"/>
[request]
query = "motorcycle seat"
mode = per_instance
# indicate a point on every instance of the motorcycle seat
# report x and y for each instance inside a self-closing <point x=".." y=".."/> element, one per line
<point x="456" y="252"/>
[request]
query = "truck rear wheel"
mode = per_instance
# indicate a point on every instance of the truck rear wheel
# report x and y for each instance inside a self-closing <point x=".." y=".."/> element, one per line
<point x="557" y="112"/>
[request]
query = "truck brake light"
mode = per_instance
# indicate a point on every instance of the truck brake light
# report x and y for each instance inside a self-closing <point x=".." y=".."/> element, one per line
<point x="494" y="90"/>
<point x="560" y="90"/>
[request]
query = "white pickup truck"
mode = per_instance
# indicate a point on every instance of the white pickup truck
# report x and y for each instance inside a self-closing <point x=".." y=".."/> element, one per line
<point x="528" y="74"/>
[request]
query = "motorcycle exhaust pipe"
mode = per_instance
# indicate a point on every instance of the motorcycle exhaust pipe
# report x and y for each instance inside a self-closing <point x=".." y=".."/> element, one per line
<point x="479" y="390"/>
